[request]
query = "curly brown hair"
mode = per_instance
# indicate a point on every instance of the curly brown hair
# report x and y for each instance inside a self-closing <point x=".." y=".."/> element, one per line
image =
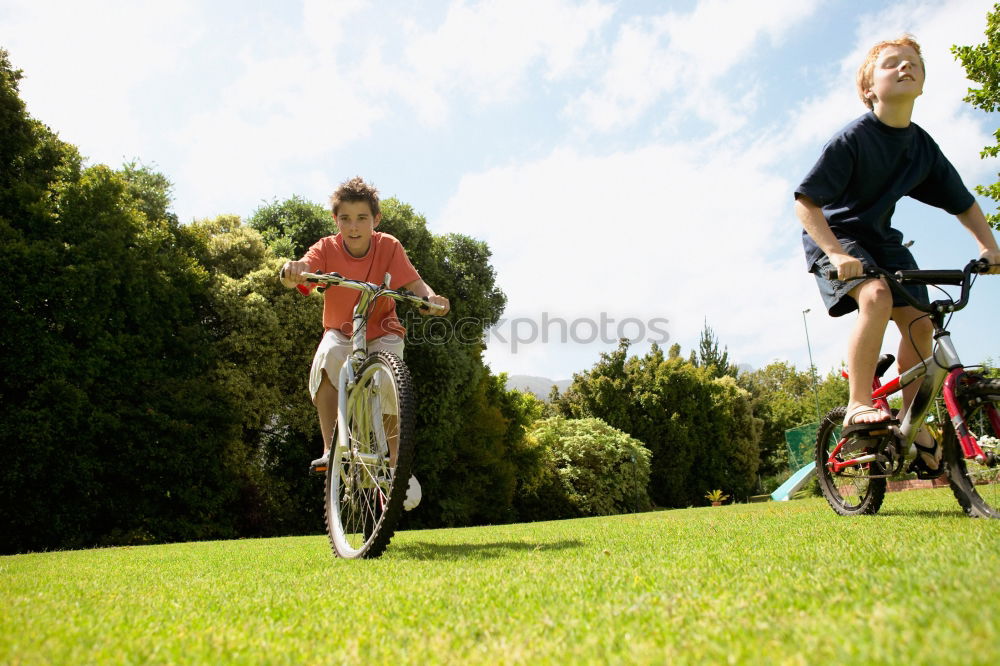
<point x="355" y="189"/>
<point x="866" y="72"/>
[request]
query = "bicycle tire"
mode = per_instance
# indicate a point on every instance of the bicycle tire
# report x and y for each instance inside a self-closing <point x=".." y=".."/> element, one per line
<point x="976" y="486"/>
<point x="841" y="489"/>
<point x="364" y="492"/>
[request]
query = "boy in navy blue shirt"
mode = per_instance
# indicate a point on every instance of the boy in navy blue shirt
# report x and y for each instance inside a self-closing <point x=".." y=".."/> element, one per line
<point x="845" y="205"/>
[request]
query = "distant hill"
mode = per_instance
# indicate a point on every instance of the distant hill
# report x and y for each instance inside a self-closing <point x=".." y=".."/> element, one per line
<point x="540" y="386"/>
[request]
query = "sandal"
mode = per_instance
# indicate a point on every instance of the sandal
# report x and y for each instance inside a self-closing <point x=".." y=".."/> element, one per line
<point x="919" y="465"/>
<point x="872" y="428"/>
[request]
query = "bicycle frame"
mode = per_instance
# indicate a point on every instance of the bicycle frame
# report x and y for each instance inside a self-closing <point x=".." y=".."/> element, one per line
<point x="942" y="371"/>
<point x="347" y="377"/>
<point x="359" y="351"/>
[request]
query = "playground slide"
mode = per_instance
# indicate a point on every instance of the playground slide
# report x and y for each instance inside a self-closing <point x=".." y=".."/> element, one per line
<point x="794" y="483"/>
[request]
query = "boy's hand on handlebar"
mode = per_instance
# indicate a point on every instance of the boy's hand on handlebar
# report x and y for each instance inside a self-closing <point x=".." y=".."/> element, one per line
<point x="848" y="267"/>
<point x="437" y="300"/>
<point x="291" y="273"/>
<point x="993" y="258"/>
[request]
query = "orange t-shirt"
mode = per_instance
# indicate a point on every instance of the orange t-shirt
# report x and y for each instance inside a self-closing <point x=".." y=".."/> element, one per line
<point x="386" y="255"/>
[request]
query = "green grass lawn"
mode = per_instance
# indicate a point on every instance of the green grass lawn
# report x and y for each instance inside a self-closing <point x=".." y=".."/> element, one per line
<point x="781" y="583"/>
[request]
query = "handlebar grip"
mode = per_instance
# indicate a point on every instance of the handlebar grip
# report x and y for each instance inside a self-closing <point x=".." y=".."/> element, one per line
<point x="431" y="306"/>
<point x="952" y="277"/>
<point x="831" y="274"/>
<point x="982" y="266"/>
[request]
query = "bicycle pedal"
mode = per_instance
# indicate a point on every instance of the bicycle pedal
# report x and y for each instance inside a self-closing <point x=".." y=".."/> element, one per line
<point x="868" y="438"/>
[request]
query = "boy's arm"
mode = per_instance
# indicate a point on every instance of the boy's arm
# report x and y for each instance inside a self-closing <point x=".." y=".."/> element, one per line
<point x="811" y="217"/>
<point x="974" y="220"/>
<point x="421" y="288"/>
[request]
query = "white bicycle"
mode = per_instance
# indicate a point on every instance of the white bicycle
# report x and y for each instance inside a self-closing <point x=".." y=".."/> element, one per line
<point x="373" y="448"/>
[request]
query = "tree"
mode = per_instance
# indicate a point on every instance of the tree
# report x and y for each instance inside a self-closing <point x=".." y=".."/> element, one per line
<point x="265" y="337"/>
<point x="110" y="432"/>
<point x="106" y="410"/>
<point x="699" y="428"/>
<point x="782" y="398"/>
<point x="982" y="65"/>
<point x="150" y="190"/>
<point x="709" y="356"/>
<point x="292" y="226"/>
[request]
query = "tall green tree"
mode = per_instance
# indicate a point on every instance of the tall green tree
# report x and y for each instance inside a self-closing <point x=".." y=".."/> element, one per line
<point x="711" y="357"/>
<point x="982" y="65"/>
<point x="109" y="433"/>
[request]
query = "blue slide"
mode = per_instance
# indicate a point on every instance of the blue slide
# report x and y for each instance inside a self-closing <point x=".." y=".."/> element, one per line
<point x="794" y="482"/>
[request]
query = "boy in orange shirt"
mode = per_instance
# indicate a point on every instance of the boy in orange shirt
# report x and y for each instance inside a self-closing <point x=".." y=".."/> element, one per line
<point x="357" y="252"/>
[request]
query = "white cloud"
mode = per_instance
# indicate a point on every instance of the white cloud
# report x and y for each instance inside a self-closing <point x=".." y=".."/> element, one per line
<point x="485" y="51"/>
<point x="682" y="232"/>
<point x="84" y="64"/>
<point x="682" y="61"/>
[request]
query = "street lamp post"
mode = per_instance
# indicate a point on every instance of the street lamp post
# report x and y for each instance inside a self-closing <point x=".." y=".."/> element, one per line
<point x="812" y="366"/>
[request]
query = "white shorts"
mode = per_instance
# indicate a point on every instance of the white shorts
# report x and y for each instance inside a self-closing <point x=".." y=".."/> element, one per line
<point x="334" y="349"/>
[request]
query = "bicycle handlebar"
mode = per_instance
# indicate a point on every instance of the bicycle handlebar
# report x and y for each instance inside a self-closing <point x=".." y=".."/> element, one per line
<point x="962" y="278"/>
<point x="401" y="295"/>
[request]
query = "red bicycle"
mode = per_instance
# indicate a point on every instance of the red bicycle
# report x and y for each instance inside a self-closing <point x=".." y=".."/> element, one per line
<point x="853" y="470"/>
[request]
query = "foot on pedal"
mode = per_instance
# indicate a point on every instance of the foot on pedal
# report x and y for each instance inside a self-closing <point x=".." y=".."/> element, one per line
<point x="928" y="464"/>
<point x="319" y="465"/>
<point x="852" y="426"/>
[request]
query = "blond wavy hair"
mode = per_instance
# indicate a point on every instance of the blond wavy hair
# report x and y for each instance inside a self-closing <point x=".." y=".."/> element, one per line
<point x="866" y="73"/>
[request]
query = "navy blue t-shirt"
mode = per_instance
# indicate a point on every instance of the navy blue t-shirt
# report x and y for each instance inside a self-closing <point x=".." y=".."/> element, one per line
<point x="865" y="169"/>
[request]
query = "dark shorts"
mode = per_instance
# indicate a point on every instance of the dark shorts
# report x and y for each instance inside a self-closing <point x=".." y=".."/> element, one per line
<point x="892" y="257"/>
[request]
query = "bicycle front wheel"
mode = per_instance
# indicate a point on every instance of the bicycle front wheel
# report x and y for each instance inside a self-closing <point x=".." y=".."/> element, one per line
<point x="366" y="482"/>
<point x="852" y="491"/>
<point x="976" y="485"/>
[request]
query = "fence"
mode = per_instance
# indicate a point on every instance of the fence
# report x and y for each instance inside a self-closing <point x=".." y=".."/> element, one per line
<point x="801" y="443"/>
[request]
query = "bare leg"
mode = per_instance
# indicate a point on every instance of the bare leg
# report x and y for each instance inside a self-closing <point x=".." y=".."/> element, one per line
<point x="914" y="345"/>
<point x="874" y="308"/>
<point x="326" y="408"/>
<point x="916" y="340"/>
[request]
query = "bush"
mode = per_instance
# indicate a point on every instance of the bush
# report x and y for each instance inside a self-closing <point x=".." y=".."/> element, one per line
<point x="588" y="469"/>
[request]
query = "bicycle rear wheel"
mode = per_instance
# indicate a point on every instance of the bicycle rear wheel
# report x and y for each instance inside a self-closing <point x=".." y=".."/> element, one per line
<point x="366" y="483"/>
<point x="976" y="485"/>
<point x="852" y="491"/>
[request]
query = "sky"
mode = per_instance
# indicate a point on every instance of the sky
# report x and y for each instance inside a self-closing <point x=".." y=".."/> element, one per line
<point x="630" y="164"/>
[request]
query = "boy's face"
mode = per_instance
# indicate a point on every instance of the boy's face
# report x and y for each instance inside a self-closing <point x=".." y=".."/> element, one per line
<point x="356" y="223"/>
<point x="897" y="76"/>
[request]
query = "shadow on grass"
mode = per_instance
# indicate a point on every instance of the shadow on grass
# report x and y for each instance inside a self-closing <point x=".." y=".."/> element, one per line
<point x="955" y="513"/>
<point x="421" y="550"/>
